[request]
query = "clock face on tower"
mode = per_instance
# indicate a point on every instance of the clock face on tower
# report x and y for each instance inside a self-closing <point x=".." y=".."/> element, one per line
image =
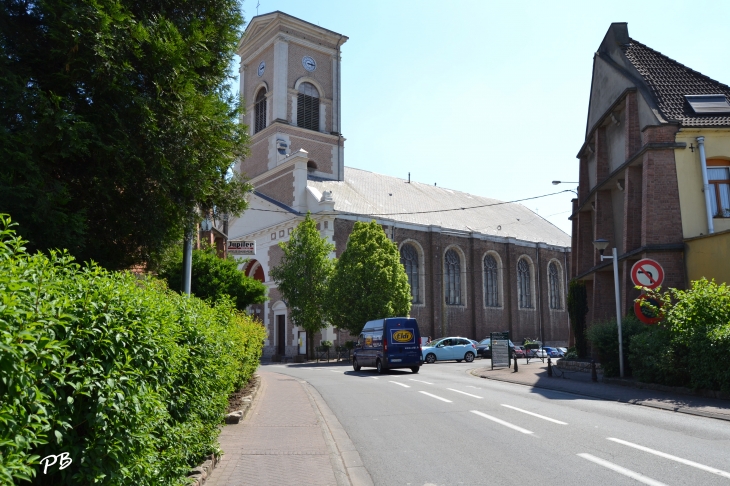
<point x="309" y="63"/>
<point x="262" y="68"/>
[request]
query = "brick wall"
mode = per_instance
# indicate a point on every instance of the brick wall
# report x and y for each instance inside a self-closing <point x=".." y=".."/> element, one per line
<point x="280" y="186"/>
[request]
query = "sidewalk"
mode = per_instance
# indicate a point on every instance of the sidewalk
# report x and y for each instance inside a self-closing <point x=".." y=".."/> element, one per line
<point x="535" y="375"/>
<point x="288" y="436"/>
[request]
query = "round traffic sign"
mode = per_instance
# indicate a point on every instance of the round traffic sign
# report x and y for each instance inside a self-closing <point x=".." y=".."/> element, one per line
<point x="647" y="273"/>
<point x="646" y="315"/>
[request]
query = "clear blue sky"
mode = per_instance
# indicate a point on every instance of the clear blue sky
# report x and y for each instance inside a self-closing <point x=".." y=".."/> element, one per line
<point x="490" y="98"/>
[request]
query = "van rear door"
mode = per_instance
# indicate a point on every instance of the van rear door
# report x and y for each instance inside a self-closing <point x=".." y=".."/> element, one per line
<point x="403" y="337"/>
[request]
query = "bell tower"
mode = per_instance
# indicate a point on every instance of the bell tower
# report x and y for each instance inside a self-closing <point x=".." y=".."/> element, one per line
<point x="290" y="84"/>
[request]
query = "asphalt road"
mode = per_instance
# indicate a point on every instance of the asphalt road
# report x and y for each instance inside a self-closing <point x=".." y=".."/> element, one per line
<point x="444" y="426"/>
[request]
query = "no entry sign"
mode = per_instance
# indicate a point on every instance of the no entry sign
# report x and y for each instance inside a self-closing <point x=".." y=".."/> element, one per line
<point x="647" y="273"/>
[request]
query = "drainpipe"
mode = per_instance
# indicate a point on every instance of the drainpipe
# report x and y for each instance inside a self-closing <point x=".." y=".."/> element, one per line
<point x="706" y="185"/>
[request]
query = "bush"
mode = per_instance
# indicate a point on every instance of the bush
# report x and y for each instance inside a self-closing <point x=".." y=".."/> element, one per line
<point x="654" y="358"/>
<point x="577" y="310"/>
<point x="697" y="324"/>
<point x="212" y="278"/>
<point x="126" y="376"/>
<point x="604" y="336"/>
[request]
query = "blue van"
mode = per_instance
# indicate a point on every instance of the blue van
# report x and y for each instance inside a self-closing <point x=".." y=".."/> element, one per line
<point x="386" y="344"/>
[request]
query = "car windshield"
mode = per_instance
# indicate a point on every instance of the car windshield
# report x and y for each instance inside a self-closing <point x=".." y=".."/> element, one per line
<point x="485" y="341"/>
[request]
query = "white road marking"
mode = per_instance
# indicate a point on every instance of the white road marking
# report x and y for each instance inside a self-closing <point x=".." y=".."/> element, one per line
<point x="464" y="393"/>
<point x="502" y="422"/>
<point x="437" y="397"/>
<point x="535" y="415"/>
<point x="374" y="377"/>
<point x="401" y="384"/>
<point x="336" y="371"/>
<point x="421" y="381"/>
<point x="470" y="386"/>
<point x="687" y="462"/>
<point x="622" y="470"/>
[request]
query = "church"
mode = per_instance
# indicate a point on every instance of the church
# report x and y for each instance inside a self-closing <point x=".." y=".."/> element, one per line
<point x="475" y="265"/>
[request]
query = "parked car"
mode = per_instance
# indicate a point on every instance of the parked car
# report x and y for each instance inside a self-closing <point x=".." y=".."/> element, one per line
<point x="551" y="352"/>
<point x="562" y="352"/>
<point x="456" y="348"/>
<point x="519" y="351"/>
<point x="537" y="353"/>
<point x="484" y="348"/>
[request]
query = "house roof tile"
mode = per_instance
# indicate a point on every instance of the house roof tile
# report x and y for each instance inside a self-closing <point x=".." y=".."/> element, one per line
<point x="670" y="81"/>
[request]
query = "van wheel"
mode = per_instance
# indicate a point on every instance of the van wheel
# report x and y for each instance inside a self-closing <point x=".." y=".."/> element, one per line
<point x="430" y="358"/>
<point x="379" y="366"/>
<point x="415" y="369"/>
<point x="469" y="357"/>
<point x="355" y="365"/>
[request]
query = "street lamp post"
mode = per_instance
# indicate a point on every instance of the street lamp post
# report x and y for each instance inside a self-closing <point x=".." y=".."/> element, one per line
<point x="600" y="245"/>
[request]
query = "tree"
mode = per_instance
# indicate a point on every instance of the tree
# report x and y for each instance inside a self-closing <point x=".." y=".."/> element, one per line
<point x="302" y="277"/>
<point x="577" y="310"/>
<point x="115" y="122"/>
<point x="212" y="277"/>
<point x="369" y="280"/>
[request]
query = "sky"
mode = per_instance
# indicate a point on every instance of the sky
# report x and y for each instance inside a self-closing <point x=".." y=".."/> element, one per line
<point x="490" y="98"/>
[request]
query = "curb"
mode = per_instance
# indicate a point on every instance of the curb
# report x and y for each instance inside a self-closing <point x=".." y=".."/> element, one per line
<point x="201" y="473"/>
<point x="346" y="462"/>
<point x="657" y="405"/>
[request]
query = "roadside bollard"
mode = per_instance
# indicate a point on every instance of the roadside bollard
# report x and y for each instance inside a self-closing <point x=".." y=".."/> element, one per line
<point x="594" y="375"/>
<point x="516" y="365"/>
<point x="550" y="368"/>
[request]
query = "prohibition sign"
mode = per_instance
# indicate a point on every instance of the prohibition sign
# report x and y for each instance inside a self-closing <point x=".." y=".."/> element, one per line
<point x="646" y="315"/>
<point x="647" y="273"/>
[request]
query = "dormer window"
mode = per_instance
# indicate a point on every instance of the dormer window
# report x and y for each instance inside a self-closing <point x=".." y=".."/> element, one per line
<point x="308" y="107"/>
<point x="713" y="104"/>
<point x="260" y="111"/>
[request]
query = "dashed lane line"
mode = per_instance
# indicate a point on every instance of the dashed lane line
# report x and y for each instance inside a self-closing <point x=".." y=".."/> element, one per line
<point x="464" y="393"/>
<point x="421" y="381"/>
<point x="687" y="462"/>
<point x="437" y="397"/>
<point x="622" y="470"/>
<point x="535" y="414"/>
<point x="401" y="384"/>
<point x="502" y="422"/>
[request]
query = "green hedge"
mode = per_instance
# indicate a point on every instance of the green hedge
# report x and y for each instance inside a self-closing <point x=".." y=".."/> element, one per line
<point x="128" y="377"/>
<point x="692" y="344"/>
<point x="604" y="336"/>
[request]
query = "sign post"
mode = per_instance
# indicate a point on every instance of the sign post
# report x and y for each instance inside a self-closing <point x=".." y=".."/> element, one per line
<point x="499" y="342"/>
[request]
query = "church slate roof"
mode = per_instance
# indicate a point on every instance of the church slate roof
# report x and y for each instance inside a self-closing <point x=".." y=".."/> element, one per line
<point x="391" y="198"/>
<point x="669" y="81"/>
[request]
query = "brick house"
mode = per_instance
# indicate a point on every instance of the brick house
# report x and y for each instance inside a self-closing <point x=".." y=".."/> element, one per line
<point x="654" y="128"/>
<point x="493" y="267"/>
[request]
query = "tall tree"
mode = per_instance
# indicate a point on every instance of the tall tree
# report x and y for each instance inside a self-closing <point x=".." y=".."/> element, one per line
<point x="115" y="122"/>
<point x="302" y="277"/>
<point x="369" y="280"/>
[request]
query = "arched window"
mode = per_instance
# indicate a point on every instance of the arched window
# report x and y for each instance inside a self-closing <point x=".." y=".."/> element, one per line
<point x="409" y="260"/>
<point x="523" y="284"/>
<point x="554" y="280"/>
<point x="452" y="272"/>
<point x="308" y="107"/>
<point x="260" y="111"/>
<point x="491" y="288"/>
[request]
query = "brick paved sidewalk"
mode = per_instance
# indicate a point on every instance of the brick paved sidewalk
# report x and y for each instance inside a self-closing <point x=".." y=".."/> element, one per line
<point x="535" y="375"/>
<point x="287" y="437"/>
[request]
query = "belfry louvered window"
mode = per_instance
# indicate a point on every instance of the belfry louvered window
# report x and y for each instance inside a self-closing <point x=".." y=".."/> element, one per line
<point x="523" y="284"/>
<point x="260" y="111"/>
<point x="491" y="292"/>
<point x="452" y="280"/>
<point x="308" y="107"/>
<point x="409" y="260"/>
<point x="554" y="281"/>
